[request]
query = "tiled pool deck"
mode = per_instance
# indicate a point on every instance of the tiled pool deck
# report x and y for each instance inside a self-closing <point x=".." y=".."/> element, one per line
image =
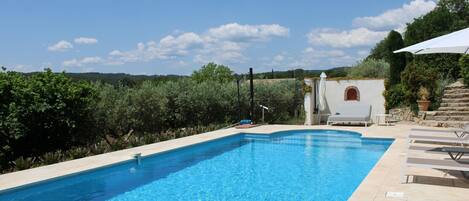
<point x="385" y="176"/>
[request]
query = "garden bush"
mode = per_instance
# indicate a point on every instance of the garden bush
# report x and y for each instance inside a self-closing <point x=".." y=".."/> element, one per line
<point x="371" y="68"/>
<point x="152" y="108"/>
<point x="395" y="96"/>
<point x="464" y="64"/>
<point x="417" y="75"/>
<point x="43" y="112"/>
<point x="47" y="117"/>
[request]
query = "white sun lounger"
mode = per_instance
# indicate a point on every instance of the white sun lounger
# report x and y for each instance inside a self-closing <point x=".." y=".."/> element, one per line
<point x="434" y="164"/>
<point x="439" y="136"/>
<point x="351" y="113"/>
<point x="438" y="139"/>
<point x="436" y="136"/>
<point x="454" y="132"/>
<point x="425" y="149"/>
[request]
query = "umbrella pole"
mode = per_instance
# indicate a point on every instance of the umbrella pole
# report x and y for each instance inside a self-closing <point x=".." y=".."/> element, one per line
<point x="319" y="117"/>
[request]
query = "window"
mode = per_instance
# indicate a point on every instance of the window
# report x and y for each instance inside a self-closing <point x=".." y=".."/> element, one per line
<point x="352" y="94"/>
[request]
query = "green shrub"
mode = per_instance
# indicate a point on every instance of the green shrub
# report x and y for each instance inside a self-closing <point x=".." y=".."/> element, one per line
<point x="395" y="96"/>
<point x="52" y="157"/>
<point x="464" y="64"/>
<point x="78" y="152"/>
<point x="418" y="75"/>
<point x="397" y="61"/>
<point x="213" y="72"/>
<point x="100" y="147"/>
<point x="439" y="91"/>
<point x="281" y="98"/>
<point x="43" y="112"/>
<point x="22" y="163"/>
<point x="370" y="68"/>
<point x="47" y="112"/>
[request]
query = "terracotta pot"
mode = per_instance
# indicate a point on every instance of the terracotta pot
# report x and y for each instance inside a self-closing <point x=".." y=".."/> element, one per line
<point x="423" y="105"/>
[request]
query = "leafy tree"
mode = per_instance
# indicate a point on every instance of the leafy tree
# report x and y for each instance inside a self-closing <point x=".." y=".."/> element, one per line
<point x="380" y="51"/>
<point x="43" y="112"/>
<point x="385" y="50"/>
<point x="370" y="68"/>
<point x="448" y="16"/>
<point x="460" y="9"/>
<point x="127" y="82"/>
<point x="48" y="112"/>
<point x="213" y="72"/>
<point x="464" y="64"/>
<point x="418" y="75"/>
<point x="395" y="96"/>
<point x="397" y="62"/>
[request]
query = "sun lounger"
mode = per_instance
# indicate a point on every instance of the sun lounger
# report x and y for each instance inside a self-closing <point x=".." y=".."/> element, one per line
<point x="462" y="166"/>
<point x="455" y="153"/>
<point x="454" y="132"/>
<point x="439" y="136"/>
<point x="351" y="113"/>
<point x="433" y="150"/>
<point x="438" y="139"/>
<point x="454" y="163"/>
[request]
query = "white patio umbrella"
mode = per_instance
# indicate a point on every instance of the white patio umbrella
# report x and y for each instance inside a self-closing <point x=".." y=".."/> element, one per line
<point x="322" y="95"/>
<point x="456" y="42"/>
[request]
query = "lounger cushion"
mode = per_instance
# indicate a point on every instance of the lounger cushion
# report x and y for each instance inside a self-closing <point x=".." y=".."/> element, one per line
<point x="430" y="138"/>
<point x="351" y="112"/>
<point x="347" y="118"/>
<point x="438" y="164"/>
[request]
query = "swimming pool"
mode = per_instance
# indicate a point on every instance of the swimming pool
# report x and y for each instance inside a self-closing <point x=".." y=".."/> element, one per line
<point x="290" y="165"/>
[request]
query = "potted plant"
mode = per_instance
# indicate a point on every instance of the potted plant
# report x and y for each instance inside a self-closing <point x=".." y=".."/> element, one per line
<point x="423" y="103"/>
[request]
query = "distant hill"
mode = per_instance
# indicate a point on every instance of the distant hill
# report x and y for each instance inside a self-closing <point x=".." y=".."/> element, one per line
<point x="301" y="73"/>
<point x="116" y="78"/>
<point x="127" y="79"/>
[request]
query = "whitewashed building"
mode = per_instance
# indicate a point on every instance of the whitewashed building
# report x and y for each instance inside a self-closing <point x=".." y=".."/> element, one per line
<point x="344" y="91"/>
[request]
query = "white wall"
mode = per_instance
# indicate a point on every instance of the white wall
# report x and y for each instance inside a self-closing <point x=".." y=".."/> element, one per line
<point x="371" y="92"/>
<point x="308" y="103"/>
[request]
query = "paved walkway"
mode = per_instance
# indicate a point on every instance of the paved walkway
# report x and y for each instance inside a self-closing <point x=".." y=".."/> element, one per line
<point x="430" y="185"/>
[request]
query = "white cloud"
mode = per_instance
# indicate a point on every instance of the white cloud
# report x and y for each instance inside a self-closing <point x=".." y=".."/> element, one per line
<point x="143" y="52"/>
<point x="60" y="46"/>
<point x="311" y="57"/>
<point x="83" y="61"/>
<point x="85" y="41"/>
<point x="20" y="67"/>
<point x="363" y="52"/>
<point x="345" y="39"/>
<point x="279" y="60"/>
<point x="323" y="53"/>
<point x="183" y="41"/>
<point x="237" y="32"/>
<point x="221" y="57"/>
<point x="222" y="44"/>
<point x="351" y="45"/>
<point x="396" y="18"/>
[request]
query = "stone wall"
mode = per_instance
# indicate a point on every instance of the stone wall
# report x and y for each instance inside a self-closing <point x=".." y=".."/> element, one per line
<point x="402" y="114"/>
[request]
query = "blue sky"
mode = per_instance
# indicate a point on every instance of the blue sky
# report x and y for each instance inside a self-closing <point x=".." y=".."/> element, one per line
<point x="177" y="37"/>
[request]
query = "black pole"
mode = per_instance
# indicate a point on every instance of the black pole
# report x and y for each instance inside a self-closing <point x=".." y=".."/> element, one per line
<point x="252" y="94"/>
<point x="239" y="101"/>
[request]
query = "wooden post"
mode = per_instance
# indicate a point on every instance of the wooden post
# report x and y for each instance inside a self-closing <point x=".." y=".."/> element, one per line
<point x="239" y="101"/>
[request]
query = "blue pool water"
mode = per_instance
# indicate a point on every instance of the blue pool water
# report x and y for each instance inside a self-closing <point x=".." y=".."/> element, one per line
<point x="293" y="165"/>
